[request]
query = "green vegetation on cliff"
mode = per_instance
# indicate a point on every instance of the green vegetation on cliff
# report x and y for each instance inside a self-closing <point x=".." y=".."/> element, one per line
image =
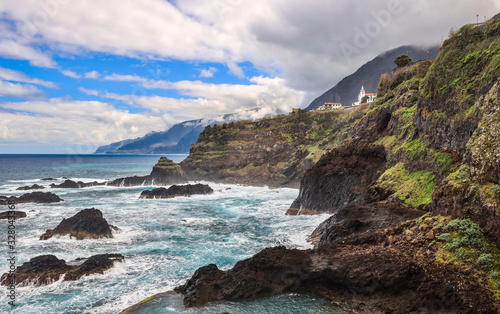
<point x="273" y="151"/>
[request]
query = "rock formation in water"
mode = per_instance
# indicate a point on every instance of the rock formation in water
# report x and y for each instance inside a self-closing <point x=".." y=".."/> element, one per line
<point x="46" y="269"/>
<point x="165" y="172"/>
<point x="33" y="187"/>
<point x="70" y="184"/>
<point x="9" y="214"/>
<point x="88" y="223"/>
<point x="177" y="190"/>
<point x="33" y="197"/>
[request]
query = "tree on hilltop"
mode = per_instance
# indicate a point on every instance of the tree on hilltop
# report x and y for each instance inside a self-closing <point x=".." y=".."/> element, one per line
<point x="403" y="60"/>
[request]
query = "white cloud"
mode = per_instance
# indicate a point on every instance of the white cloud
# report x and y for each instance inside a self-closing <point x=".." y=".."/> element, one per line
<point x="71" y="74"/>
<point x="297" y="40"/>
<point x="271" y="95"/>
<point x="89" y="91"/>
<point x="61" y="120"/>
<point x="124" y="78"/>
<point x="92" y="75"/>
<point x="207" y="72"/>
<point x="15" y="50"/>
<point x="16" y="76"/>
<point x="8" y="89"/>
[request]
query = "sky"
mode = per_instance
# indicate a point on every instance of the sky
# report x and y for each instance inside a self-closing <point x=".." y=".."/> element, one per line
<point x="75" y="75"/>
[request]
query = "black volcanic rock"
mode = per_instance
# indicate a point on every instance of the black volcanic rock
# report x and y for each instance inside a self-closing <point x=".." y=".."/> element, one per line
<point x="33" y="197"/>
<point x="33" y="187"/>
<point x="88" y="223"/>
<point x="70" y="184"/>
<point x="45" y="269"/>
<point x="16" y="214"/>
<point x="351" y="221"/>
<point x="339" y="178"/>
<point x="177" y="190"/>
<point x="165" y="172"/>
<point x="47" y="179"/>
<point x="391" y="275"/>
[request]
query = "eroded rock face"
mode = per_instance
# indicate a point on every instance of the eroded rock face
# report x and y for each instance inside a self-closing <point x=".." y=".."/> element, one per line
<point x="165" y="172"/>
<point x="339" y="178"/>
<point x="45" y="269"/>
<point x="33" y="197"/>
<point x="352" y="221"/>
<point x="88" y="223"/>
<point x="178" y="190"/>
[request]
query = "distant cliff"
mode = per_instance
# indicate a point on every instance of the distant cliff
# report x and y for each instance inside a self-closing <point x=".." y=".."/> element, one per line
<point x="274" y="151"/>
<point x="346" y="91"/>
<point x="176" y="140"/>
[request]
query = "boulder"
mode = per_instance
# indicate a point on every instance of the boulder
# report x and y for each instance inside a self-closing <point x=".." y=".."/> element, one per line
<point x="177" y="190"/>
<point x="46" y="269"/>
<point x="33" y="187"/>
<point x="33" y="197"/>
<point x="88" y="223"/>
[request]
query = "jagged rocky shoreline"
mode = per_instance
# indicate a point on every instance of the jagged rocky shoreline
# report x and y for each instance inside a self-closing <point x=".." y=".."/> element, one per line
<point x="414" y="183"/>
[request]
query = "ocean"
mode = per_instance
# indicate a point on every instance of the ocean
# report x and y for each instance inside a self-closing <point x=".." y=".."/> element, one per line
<point x="164" y="241"/>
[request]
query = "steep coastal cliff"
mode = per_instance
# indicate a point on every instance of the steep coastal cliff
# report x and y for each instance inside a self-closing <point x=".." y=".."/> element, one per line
<point x="430" y="143"/>
<point x="274" y="152"/>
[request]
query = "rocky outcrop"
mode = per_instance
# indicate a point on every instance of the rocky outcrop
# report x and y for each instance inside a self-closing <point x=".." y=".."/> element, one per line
<point x="12" y="214"/>
<point x="165" y="172"/>
<point x="178" y="190"/>
<point x="46" y="269"/>
<point x="273" y="152"/>
<point x="33" y="197"/>
<point x="70" y="184"/>
<point x="355" y="220"/>
<point x="339" y="178"/>
<point x="385" y="276"/>
<point x="33" y="187"/>
<point x="88" y="223"/>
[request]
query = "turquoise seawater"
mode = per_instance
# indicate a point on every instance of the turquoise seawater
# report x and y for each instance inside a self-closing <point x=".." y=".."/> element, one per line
<point x="163" y="241"/>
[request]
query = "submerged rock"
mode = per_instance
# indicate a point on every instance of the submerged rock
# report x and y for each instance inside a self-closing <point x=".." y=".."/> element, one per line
<point x="165" y="172"/>
<point x="46" y="269"/>
<point x="33" y="197"/>
<point x="16" y="214"/>
<point x="33" y="187"/>
<point x="70" y="184"/>
<point x="88" y="223"/>
<point x="177" y="190"/>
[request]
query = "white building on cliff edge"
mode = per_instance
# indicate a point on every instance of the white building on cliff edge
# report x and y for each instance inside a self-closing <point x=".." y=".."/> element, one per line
<point x="330" y="106"/>
<point x="371" y="97"/>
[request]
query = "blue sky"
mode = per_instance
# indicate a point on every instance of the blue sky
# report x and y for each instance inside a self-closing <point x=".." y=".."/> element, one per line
<point x="78" y="74"/>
